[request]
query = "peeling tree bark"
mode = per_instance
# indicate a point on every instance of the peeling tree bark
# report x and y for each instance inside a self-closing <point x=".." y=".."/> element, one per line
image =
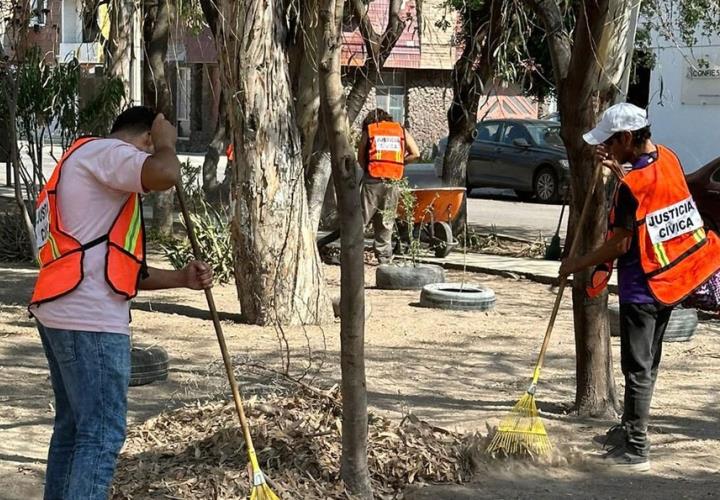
<point x="157" y="19"/>
<point x="354" y="467"/>
<point x="277" y="267"/>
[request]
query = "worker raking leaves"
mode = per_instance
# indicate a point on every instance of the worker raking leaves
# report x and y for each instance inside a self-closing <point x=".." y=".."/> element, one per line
<point x="663" y="254"/>
<point x="91" y="242"/>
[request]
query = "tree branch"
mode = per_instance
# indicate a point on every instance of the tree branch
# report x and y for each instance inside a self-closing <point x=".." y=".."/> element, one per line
<point x="551" y="17"/>
<point x="378" y="50"/>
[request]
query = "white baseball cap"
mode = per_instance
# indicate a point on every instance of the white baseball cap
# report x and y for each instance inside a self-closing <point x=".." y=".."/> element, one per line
<point x="623" y="117"/>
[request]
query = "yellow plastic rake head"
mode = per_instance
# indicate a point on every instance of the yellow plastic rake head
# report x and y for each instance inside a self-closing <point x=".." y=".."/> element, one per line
<point x="522" y="431"/>
<point x="262" y="492"/>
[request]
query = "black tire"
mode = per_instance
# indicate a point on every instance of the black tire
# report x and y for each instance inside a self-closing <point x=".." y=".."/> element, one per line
<point x="443" y="242"/>
<point x="148" y="365"/>
<point x="681" y="327"/>
<point x="393" y="277"/>
<point x="457" y="296"/>
<point x="545" y="185"/>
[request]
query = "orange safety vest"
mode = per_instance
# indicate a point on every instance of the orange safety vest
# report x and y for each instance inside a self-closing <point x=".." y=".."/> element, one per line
<point x="61" y="255"/>
<point x="676" y="253"/>
<point x="386" y="159"/>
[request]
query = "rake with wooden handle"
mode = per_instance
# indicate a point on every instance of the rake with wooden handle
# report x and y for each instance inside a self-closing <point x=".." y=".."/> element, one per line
<point x="522" y="431"/>
<point x="260" y="488"/>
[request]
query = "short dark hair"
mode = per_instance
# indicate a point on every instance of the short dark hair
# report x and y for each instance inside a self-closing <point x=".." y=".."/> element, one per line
<point x="135" y="120"/>
<point x="376" y="116"/>
<point x="639" y="136"/>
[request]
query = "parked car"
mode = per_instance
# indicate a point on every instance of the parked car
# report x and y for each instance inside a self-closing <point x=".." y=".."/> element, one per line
<point x="525" y="155"/>
<point x="704" y="185"/>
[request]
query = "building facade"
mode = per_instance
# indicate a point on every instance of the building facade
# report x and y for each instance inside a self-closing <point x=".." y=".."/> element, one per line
<point x="684" y="99"/>
<point x="415" y="85"/>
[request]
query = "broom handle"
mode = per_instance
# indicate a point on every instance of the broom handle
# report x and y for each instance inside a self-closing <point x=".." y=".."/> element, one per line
<point x="563" y="279"/>
<point x="218" y="332"/>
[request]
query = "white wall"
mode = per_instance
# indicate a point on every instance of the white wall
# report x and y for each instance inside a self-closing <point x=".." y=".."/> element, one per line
<point x="692" y="130"/>
<point x="71" y="21"/>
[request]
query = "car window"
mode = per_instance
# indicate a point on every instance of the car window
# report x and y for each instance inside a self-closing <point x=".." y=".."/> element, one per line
<point x="516" y="131"/>
<point x="546" y="135"/>
<point x="487" y="132"/>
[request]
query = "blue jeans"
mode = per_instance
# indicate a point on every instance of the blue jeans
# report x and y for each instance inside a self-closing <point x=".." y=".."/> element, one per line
<point x="90" y="373"/>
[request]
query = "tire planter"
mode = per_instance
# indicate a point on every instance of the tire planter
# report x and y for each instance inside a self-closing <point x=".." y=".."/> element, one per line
<point x="458" y="296"/>
<point x="681" y="327"/>
<point x="148" y="365"/>
<point x="391" y="277"/>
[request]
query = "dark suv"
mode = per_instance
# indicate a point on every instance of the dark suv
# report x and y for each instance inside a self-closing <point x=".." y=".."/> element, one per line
<point x="525" y="155"/>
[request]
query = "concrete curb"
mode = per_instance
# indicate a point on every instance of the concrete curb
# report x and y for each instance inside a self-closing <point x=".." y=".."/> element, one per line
<point x="505" y="273"/>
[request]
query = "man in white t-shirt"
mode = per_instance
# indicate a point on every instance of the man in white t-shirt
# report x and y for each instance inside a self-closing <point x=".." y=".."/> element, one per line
<point x="85" y="332"/>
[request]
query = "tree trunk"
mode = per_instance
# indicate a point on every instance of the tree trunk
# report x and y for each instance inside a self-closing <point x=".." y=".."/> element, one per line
<point x="595" y="386"/>
<point x="277" y="266"/>
<point x="354" y="463"/>
<point x="584" y="89"/>
<point x="157" y="20"/>
<point x="378" y="48"/>
<point x="481" y="35"/>
<point x="119" y="45"/>
<point x="216" y="148"/>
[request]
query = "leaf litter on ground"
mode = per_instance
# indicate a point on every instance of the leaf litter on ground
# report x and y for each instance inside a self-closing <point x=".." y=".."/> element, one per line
<point x="198" y="452"/>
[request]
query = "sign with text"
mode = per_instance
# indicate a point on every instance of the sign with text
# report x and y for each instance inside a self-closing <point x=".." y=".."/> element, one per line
<point x="701" y="82"/>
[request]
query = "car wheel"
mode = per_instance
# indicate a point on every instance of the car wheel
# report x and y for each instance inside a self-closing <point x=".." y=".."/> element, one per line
<point x="546" y="186"/>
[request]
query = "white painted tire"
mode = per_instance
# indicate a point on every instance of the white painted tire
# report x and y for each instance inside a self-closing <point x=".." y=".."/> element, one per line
<point x="458" y="296"/>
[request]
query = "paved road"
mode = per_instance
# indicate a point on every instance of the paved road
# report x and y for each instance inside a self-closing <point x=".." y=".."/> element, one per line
<point x="499" y="209"/>
<point x="486" y="207"/>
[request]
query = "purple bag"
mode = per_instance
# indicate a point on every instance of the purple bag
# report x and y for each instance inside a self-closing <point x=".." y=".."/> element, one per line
<point x="705" y="297"/>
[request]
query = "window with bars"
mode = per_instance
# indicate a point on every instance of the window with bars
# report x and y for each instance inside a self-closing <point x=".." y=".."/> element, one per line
<point x="38" y="12"/>
<point x="390" y="94"/>
<point x="183" y="100"/>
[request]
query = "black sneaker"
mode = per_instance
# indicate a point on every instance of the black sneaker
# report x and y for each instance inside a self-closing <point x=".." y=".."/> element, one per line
<point x="622" y="459"/>
<point x="614" y="437"/>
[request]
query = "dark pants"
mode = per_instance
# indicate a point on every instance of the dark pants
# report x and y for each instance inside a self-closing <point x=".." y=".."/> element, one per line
<point x="90" y="373"/>
<point x="642" y="327"/>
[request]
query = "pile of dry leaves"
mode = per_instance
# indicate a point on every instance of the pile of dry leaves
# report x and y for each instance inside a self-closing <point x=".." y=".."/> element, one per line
<point x="199" y="453"/>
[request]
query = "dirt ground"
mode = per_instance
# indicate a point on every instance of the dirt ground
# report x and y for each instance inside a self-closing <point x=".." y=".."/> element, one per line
<point x="459" y="370"/>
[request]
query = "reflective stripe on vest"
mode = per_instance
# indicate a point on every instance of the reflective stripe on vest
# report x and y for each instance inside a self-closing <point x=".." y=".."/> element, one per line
<point x="60" y="255"/>
<point x="386" y="155"/>
<point x="676" y="253"/>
